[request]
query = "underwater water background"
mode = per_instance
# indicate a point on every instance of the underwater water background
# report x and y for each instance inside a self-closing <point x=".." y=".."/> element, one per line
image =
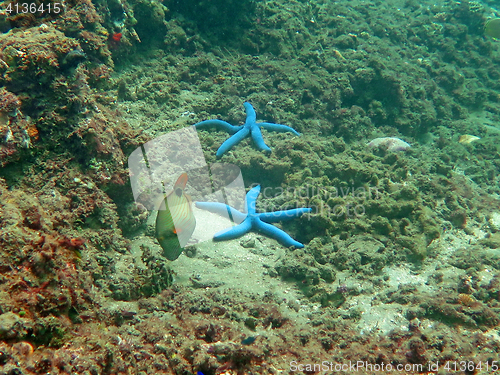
<point x="398" y="108"/>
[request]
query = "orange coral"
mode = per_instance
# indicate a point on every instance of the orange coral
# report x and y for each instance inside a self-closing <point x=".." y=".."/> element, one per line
<point x="467" y="300"/>
<point x="32" y="131"/>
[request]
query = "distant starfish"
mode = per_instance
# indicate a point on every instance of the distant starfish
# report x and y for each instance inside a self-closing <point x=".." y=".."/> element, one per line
<point x="252" y="220"/>
<point x="251" y="127"/>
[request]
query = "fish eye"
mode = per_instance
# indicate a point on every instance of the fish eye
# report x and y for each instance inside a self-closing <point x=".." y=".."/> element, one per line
<point x="178" y="192"/>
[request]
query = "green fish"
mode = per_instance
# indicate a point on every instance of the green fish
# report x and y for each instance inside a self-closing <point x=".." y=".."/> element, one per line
<point x="175" y="222"/>
<point x="492" y="28"/>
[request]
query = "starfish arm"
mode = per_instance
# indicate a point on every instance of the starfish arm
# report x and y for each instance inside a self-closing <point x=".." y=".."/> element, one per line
<point x="234" y="232"/>
<point x="232" y="141"/>
<point x="258" y="139"/>
<point x="273" y="217"/>
<point x="251" y="115"/>
<point x="250" y="199"/>
<point x="276" y="233"/>
<point x="222" y="209"/>
<point x="278" y="128"/>
<point x="218" y="124"/>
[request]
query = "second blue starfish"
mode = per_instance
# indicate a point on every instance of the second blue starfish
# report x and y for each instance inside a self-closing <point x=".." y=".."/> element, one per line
<point x="252" y="220"/>
<point x="251" y="127"/>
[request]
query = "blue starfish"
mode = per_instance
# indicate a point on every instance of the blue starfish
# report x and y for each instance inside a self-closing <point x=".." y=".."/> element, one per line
<point x="252" y="220"/>
<point x="251" y="127"/>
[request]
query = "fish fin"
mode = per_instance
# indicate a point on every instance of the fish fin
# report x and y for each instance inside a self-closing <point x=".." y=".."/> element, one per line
<point x="179" y="186"/>
<point x="159" y="202"/>
<point x="181" y="181"/>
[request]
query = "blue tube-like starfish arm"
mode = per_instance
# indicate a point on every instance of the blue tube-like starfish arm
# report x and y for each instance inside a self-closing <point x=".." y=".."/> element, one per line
<point x="251" y="115"/>
<point x="232" y="141"/>
<point x="251" y="198"/>
<point x="219" y="124"/>
<point x="278" y="128"/>
<point x="253" y="220"/>
<point x="274" y="232"/>
<point x="223" y="210"/>
<point x="259" y="139"/>
<point x="234" y="232"/>
<point x="251" y="127"/>
<point x="273" y="217"/>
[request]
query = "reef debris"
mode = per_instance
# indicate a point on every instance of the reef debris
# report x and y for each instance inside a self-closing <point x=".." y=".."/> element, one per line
<point x="389" y="144"/>
<point x="467" y="138"/>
